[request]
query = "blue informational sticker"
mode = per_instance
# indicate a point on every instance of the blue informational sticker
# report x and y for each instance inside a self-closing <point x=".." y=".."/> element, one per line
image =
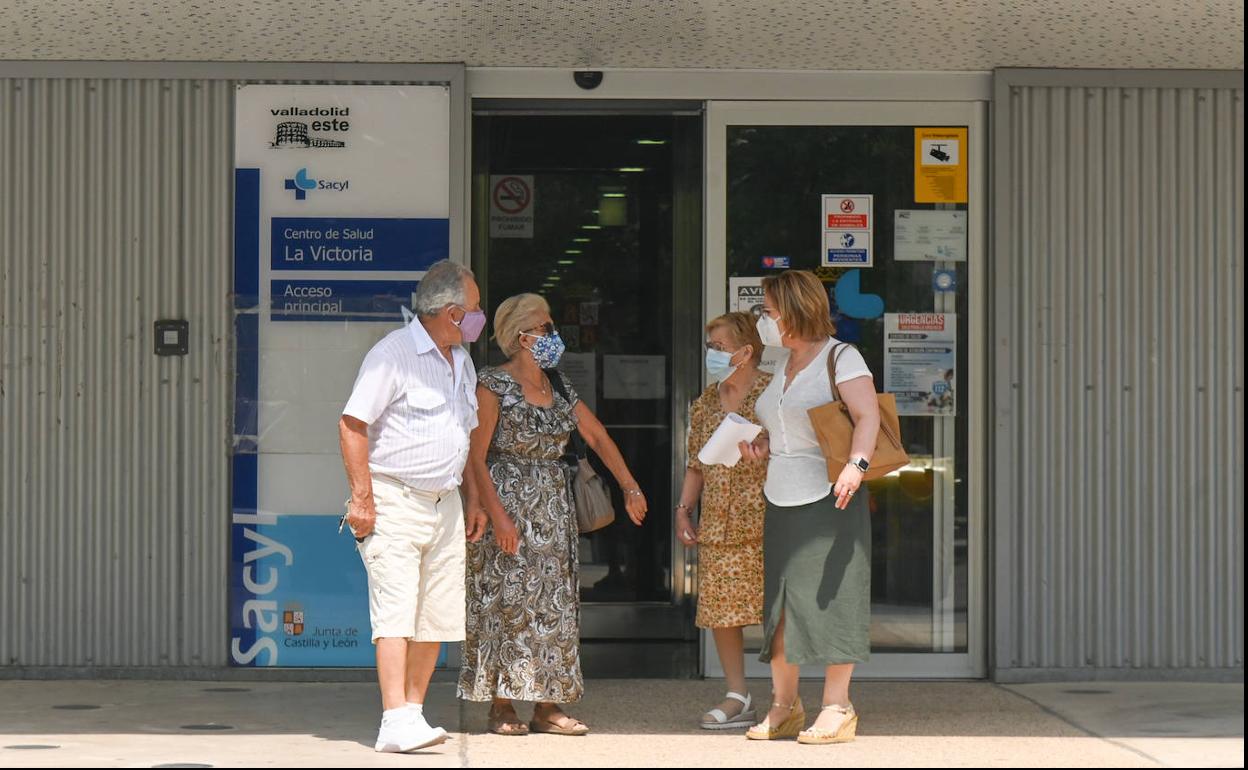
<point x="776" y="263"/>
<point x="852" y="302"/>
<point x="847" y="248"/>
<point x="944" y="281"/>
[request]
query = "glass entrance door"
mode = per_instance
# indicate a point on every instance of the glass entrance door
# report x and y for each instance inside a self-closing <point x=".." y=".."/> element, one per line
<point x="601" y="215"/>
<point x="885" y="201"/>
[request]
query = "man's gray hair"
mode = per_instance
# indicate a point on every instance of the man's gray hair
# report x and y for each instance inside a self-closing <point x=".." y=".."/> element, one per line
<point x="442" y="285"/>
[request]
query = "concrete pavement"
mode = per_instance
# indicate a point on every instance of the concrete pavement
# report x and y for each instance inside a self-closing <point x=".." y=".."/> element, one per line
<point x="646" y="723"/>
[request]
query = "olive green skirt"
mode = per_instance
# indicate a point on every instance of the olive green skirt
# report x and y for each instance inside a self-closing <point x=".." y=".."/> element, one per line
<point x="817" y="566"/>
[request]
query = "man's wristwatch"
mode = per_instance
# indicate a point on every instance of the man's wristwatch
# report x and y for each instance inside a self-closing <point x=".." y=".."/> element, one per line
<point x="860" y="463"/>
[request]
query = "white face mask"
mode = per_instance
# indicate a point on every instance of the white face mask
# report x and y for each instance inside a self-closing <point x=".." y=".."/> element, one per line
<point x="769" y="331"/>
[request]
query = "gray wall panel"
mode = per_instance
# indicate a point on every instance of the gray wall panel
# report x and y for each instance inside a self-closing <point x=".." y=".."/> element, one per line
<point x="116" y="210"/>
<point x="1118" y="365"/>
<point x="115" y="213"/>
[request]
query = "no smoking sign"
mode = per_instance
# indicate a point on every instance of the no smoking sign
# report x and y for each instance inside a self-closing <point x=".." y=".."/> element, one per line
<point x="511" y="206"/>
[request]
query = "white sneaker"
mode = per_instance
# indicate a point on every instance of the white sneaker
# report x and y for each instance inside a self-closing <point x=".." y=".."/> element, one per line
<point x="420" y="715"/>
<point x="407" y="731"/>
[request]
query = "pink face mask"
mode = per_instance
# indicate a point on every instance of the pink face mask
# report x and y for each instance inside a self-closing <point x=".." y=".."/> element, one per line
<point x="472" y="324"/>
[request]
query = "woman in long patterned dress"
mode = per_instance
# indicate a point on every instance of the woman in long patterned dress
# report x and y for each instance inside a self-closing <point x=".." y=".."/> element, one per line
<point x="523" y="631"/>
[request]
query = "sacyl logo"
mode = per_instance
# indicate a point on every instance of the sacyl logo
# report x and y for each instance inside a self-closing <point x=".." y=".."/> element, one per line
<point x="302" y="184"/>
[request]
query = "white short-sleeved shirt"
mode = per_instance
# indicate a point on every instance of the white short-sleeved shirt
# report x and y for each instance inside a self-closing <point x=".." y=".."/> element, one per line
<point x="420" y="408"/>
<point x="797" y="473"/>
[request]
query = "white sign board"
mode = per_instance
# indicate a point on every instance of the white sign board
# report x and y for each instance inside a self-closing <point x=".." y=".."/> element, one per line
<point x="929" y="235"/>
<point x="511" y="206"/>
<point x="846" y="222"/>
<point x="342" y="202"/>
<point x="921" y="362"/>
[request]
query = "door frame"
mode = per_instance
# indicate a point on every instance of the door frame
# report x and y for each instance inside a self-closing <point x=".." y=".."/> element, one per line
<point x="973" y="114"/>
<point x="635" y="622"/>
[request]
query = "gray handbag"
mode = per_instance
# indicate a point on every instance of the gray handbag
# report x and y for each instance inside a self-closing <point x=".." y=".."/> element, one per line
<point x="590" y="493"/>
<point x="593" y="500"/>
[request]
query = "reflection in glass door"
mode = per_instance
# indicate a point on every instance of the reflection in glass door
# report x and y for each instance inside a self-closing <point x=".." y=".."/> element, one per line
<point x="601" y="215"/>
<point x="777" y="163"/>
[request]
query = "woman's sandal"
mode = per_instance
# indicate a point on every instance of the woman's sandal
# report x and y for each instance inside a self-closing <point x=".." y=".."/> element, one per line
<point x="721" y="721"/>
<point x="844" y="733"/>
<point x="500" y="724"/>
<point x="789" y="728"/>
<point x="550" y="727"/>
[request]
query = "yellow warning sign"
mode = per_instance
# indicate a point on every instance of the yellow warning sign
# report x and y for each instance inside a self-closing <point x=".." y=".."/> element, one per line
<point x="940" y="165"/>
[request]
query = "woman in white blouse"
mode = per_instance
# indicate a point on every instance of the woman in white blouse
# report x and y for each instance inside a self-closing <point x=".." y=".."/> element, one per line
<point x="817" y="535"/>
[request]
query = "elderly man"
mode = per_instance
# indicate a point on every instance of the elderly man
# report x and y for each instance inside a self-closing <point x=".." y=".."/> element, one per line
<point x="404" y="437"/>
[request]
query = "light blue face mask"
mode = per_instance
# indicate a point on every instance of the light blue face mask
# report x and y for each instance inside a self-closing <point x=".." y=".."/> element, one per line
<point x="719" y="364"/>
<point x="547" y="350"/>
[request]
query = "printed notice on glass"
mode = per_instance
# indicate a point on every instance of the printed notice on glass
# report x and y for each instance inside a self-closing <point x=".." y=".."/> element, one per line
<point x="940" y="165"/>
<point x="744" y="295"/>
<point x="921" y="362"/>
<point x="512" y="206"/>
<point x="938" y="236"/>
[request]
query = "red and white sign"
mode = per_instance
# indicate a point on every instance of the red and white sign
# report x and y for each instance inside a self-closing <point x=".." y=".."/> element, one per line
<point x="847" y="212"/>
<point x="921" y="322"/>
<point x="511" y="206"/>
<point x="847" y="226"/>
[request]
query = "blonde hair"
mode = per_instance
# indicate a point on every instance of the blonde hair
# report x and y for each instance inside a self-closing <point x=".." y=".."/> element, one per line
<point x="802" y="302"/>
<point x="514" y="315"/>
<point x="742" y="329"/>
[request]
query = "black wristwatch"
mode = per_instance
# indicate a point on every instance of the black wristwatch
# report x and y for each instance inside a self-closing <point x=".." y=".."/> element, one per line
<point x="860" y="463"/>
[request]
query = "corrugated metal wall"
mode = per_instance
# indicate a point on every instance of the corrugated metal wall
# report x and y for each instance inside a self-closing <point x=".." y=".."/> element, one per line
<point x="115" y="206"/>
<point x="116" y="210"/>
<point x="1118" y="347"/>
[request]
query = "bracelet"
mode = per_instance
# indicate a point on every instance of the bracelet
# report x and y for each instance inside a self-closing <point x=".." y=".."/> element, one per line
<point x="683" y="507"/>
<point x="634" y="492"/>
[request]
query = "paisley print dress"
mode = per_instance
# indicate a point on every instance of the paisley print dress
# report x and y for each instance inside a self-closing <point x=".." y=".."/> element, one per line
<point x="523" y="631"/>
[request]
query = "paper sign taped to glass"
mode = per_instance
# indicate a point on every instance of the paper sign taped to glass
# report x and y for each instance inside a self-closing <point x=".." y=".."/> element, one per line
<point x="921" y="362"/>
<point x="938" y="236"/>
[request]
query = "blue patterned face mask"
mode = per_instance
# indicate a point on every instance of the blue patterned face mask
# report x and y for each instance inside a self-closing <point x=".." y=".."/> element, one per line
<point x="547" y="350"/>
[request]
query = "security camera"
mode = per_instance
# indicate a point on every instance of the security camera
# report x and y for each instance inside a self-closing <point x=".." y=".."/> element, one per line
<point x="588" y="79"/>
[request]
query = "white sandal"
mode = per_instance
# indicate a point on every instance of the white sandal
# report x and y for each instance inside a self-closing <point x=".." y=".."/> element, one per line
<point x="746" y="718"/>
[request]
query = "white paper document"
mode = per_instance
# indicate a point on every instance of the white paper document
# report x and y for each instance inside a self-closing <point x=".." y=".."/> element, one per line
<point x="722" y="447"/>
